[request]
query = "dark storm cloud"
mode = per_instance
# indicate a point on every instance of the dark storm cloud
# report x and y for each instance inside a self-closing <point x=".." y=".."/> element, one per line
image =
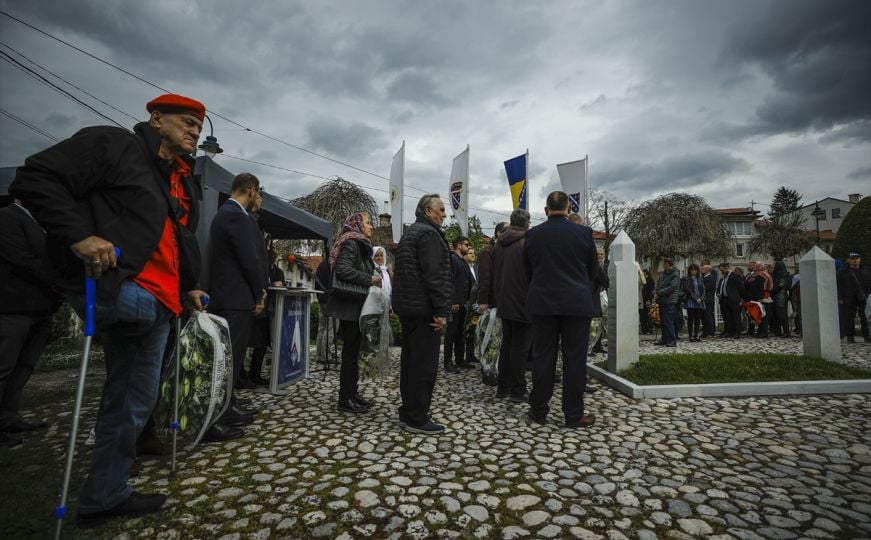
<point x="672" y="173"/>
<point x="344" y="139"/>
<point x="855" y="132"/>
<point x="817" y="55"/>
<point x="864" y="172"/>
<point x="416" y="88"/>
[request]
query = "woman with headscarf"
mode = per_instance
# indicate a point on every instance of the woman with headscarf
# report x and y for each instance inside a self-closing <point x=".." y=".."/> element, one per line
<point x="351" y="261"/>
<point x="780" y="296"/>
<point x="379" y="257"/>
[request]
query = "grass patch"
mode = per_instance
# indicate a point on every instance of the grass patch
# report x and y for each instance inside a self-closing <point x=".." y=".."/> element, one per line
<point x="735" y="368"/>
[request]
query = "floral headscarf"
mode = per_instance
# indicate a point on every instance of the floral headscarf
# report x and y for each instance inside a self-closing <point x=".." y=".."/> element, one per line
<point x="352" y="229"/>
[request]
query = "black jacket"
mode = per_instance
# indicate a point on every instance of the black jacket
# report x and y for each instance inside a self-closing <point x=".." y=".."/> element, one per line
<point x="461" y="280"/>
<point x="354" y="265"/>
<point x="26" y="284"/>
<point x="101" y="181"/>
<point x="710" y="287"/>
<point x="559" y="257"/>
<point x="733" y="292"/>
<point x="236" y="276"/>
<point x="853" y="282"/>
<point x="422" y="273"/>
<point x="510" y="285"/>
<point x="485" y="276"/>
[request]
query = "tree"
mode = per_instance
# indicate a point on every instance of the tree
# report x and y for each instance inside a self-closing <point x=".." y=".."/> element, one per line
<point x="677" y="225"/>
<point x="476" y="236"/>
<point x="782" y="234"/>
<point x="607" y="213"/>
<point x="334" y="201"/>
<point x="854" y="234"/>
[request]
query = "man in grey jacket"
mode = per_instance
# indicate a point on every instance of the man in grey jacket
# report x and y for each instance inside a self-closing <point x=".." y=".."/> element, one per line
<point x="666" y="292"/>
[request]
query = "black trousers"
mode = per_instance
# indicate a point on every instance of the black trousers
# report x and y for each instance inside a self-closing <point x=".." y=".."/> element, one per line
<point x="848" y="320"/>
<point x="695" y="316"/>
<point x="418" y="368"/>
<point x="779" y="321"/>
<point x="516" y="343"/>
<point x="455" y="343"/>
<point x="349" y="373"/>
<point x="709" y="324"/>
<point x="22" y="339"/>
<point x="731" y="311"/>
<point x="547" y="332"/>
<point x="239" y="321"/>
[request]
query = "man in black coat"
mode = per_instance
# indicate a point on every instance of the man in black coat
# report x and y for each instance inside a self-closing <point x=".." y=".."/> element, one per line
<point x="105" y="187"/>
<point x="709" y="278"/>
<point x="422" y="300"/>
<point x="27" y="301"/>
<point x="237" y="284"/>
<point x="854" y="285"/>
<point x="510" y="289"/>
<point x="559" y="257"/>
<point x="730" y="291"/>
<point x="454" y="348"/>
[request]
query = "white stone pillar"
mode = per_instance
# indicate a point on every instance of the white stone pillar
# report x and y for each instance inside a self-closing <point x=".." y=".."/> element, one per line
<point x="820" y="325"/>
<point x="622" y="305"/>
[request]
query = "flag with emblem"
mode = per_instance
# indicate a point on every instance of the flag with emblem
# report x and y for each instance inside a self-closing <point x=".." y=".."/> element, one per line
<point x="459" y="190"/>
<point x="397" y="179"/>
<point x="573" y="177"/>
<point x="516" y="169"/>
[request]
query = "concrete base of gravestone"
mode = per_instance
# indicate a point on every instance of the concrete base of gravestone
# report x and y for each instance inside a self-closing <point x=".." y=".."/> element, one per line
<point x="821" y="332"/>
<point x="622" y="305"/>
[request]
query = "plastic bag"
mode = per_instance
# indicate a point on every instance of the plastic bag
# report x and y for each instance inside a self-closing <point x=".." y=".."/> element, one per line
<point x="205" y="379"/>
<point x="489" y="340"/>
<point x="377" y="336"/>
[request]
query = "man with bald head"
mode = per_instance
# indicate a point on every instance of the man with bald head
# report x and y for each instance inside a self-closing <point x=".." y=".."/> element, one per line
<point x="108" y="187"/>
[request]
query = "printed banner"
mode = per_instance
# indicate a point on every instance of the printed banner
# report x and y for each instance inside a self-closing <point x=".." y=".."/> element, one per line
<point x="573" y="177"/>
<point x="459" y="190"/>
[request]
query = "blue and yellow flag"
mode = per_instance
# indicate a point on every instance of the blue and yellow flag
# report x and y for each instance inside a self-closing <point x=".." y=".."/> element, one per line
<point x="516" y="170"/>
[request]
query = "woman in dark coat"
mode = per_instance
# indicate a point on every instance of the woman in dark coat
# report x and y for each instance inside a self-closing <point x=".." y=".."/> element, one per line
<point x="647" y="301"/>
<point x="351" y="261"/>
<point x="694" y="294"/>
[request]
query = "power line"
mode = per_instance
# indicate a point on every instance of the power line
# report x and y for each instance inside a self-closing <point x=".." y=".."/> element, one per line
<point x="5" y="56"/>
<point x="27" y="124"/>
<point x="50" y="72"/>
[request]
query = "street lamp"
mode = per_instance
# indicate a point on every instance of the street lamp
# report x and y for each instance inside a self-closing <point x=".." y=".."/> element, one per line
<point x="210" y="146"/>
<point x="818" y="214"/>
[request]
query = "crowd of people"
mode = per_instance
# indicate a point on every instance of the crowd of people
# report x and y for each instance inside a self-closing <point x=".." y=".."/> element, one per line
<point x="106" y="187"/>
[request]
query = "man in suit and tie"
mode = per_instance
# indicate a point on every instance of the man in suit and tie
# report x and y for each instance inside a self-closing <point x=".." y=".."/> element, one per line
<point x="730" y="289"/>
<point x="559" y="257"/>
<point x="27" y="301"/>
<point x="237" y="284"/>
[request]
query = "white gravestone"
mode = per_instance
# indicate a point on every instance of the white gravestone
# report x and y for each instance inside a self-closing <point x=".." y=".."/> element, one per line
<point x="821" y="334"/>
<point x="622" y="305"/>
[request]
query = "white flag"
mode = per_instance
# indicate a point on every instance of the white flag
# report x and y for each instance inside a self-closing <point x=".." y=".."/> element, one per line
<point x="573" y="176"/>
<point x="459" y="190"/>
<point x="397" y="180"/>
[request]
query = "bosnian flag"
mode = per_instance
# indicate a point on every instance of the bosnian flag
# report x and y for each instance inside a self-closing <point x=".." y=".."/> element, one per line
<point x="397" y="179"/>
<point x="516" y="169"/>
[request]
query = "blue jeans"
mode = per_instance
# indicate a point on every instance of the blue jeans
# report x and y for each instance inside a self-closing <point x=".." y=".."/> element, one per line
<point x="667" y="314"/>
<point x="134" y="329"/>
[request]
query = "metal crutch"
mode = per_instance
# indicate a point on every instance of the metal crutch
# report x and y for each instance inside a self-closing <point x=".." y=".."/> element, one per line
<point x="90" y="295"/>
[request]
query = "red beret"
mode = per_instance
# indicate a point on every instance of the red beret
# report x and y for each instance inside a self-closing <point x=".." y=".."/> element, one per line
<point x="176" y="104"/>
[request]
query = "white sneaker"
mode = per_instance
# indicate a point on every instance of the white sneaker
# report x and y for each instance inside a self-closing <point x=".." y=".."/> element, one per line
<point x="92" y="438"/>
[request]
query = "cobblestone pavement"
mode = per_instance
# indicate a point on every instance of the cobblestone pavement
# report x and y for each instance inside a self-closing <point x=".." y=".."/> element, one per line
<point x="773" y="468"/>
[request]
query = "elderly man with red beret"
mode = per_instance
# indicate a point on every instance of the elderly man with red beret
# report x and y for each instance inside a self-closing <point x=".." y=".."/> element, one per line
<point x="106" y="187"/>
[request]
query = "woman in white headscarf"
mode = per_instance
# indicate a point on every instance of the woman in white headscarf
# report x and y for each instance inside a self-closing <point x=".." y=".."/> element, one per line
<point x="379" y="257"/>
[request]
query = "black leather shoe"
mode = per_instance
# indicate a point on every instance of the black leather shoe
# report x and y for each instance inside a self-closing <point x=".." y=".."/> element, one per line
<point x="257" y="380"/>
<point x="590" y="389"/>
<point x="221" y="433"/>
<point x="237" y="408"/>
<point x="20" y="426"/>
<point x="9" y="440"/>
<point x="233" y="418"/>
<point x="532" y="418"/>
<point x="351" y="406"/>
<point x="149" y="445"/>
<point x="138" y="504"/>
<point x="452" y="369"/>
<point x="523" y="398"/>
<point x="368" y="403"/>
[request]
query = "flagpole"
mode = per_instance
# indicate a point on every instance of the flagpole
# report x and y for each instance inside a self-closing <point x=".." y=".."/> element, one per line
<point x="528" y="191"/>
<point x="468" y="185"/>
<point x="586" y="189"/>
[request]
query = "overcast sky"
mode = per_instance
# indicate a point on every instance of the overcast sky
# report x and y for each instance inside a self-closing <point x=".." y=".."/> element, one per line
<point x="727" y="100"/>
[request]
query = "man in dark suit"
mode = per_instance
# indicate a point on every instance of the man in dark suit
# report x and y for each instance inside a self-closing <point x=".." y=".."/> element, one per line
<point x="454" y="346"/>
<point x="559" y="257"/>
<point x="237" y="285"/>
<point x="27" y="301"/>
<point x="709" y="278"/>
<point x="730" y="291"/>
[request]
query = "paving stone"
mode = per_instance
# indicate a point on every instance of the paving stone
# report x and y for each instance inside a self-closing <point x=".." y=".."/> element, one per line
<point x="695" y="527"/>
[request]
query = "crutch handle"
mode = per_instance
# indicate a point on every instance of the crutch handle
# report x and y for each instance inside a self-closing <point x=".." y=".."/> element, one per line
<point x="204" y="300"/>
<point x="90" y="299"/>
